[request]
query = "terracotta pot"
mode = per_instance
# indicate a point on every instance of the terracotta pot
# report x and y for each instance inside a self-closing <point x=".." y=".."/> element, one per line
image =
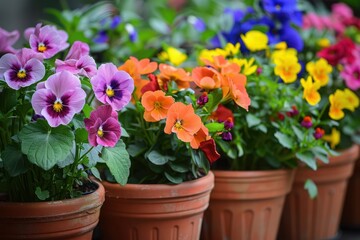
<point x="155" y="211"/>
<point x="317" y="219"/>
<point x="71" y="219"/>
<point x="246" y="205"/>
<point x="351" y="211"/>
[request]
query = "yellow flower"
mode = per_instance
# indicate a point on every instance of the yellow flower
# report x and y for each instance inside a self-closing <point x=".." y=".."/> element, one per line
<point x="351" y="100"/>
<point x="232" y="49"/>
<point x="311" y="93"/>
<point x="208" y="55"/>
<point x="280" y="52"/>
<point x="323" y="42"/>
<point x="337" y="104"/>
<point x="255" y="40"/>
<point x="281" y="46"/>
<point x="319" y="70"/>
<point x="173" y="55"/>
<point x="247" y="66"/>
<point x="287" y="67"/>
<point x="333" y="138"/>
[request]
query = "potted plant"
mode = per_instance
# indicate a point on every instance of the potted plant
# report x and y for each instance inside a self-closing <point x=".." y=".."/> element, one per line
<point x="279" y="133"/>
<point x="171" y="145"/>
<point x="338" y="97"/>
<point x="56" y="126"/>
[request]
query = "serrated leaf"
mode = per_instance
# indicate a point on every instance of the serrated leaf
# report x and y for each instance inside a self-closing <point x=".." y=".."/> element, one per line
<point x="252" y="120"/>
<point x="45" y="146"/>
<point x="284" y="140"/>
<point x="308" y="158"/>
<point x="118" y="161"/>
<point x="310" y="186"/>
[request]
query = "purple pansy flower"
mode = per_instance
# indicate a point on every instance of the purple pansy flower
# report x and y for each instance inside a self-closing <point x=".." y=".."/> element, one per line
<point x="103" y="127"/>
<point x="59" y="98"/>
<point x="21" y="69"/>
<point x="47" y="40"/>
<point x="115" y="21"/>
<point x="101" y="37"/>
<point x="7" y="39"/>
<point x="112" y="86"/>
<point x="78" y="61"/>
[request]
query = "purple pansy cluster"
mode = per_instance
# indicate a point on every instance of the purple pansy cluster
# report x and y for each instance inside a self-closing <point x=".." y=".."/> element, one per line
<point x="60" y="96"/>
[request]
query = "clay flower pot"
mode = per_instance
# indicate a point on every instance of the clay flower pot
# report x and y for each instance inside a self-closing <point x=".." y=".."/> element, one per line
<point x="155" y="211"/>
<point x="351" y="212"/>
<point x="307" y="219"/>
<point x="246" y="205"/>
<point x="71" y="219"/>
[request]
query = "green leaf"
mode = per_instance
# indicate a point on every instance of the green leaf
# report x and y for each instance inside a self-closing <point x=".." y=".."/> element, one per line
<point x="42" y="195"/>
<point x="215" y="127"/>
<point x="215" y="98"/>
<point x="284" y="140"/>
<point x="124" y="133"/>
<point x="252" y="120"/>
<point x="45" y="146"/>
<point x="118" y="161"/>
<point x="173" y="178"/>
<point x="308" y="158"/>
<point x="87" y="110"/>
<point x="159" y="26"/>
<point x="158" y="159"/>
<point x="299" y="134"/>
<point x="15" y="163"/>
<point x="310" y="186"/>
<point x="81" y="135"/>
<point x="95" y="172"/>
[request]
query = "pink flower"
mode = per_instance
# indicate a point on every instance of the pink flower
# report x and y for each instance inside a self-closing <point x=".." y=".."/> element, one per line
<point x="341" y="12"/>
<point x="78" y="61"/>
<point x="59" y="99"/>
<point x="47" y="40"/>
<point x="7" y="39"/>
<point x="21" y="69"/>
<point x="103" y="127"/>
<point x="351" y="75"/>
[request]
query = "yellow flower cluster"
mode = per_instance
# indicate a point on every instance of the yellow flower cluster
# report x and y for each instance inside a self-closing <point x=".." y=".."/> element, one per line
<point x="230" y="51"/>
<point x="173" y="55"/>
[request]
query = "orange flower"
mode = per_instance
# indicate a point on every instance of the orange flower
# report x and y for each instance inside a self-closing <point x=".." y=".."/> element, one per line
<point x="207" y="78"/>
<point x="222" y="65"/>
<point x="182" y="120"/>
<point x="137" y="68"/>
<point x="200" y="136"/>
<point x="234" y="87"/>
<point x="170" y="73"/>
<point x="156" y="105"/>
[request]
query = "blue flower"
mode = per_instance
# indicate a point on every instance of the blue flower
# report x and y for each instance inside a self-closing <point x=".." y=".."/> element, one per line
<point x="116" y="20"/>
<point x="197" y="23"/>
<point x="281" y="9"/>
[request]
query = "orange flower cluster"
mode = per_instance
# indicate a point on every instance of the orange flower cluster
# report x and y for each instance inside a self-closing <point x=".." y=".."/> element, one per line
<point x="181" y="119"/>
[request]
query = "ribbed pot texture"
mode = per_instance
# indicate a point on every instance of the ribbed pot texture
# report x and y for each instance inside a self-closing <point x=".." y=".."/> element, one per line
<point x="71" y="219"/>
<point x="318" y="219"/>
<point x="155" y="211"/>
<point x="246" y="205"/>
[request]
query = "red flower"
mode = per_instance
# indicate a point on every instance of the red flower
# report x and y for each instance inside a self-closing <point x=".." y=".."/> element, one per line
<point x="222" y="114"/>
<point x="209" y="149"/>
<point x="341" y="51"/>
<point x="153" y="85"/>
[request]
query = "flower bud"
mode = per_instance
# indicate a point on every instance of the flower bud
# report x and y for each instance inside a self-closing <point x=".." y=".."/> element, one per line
<point x="306" y="122"/>
<point x="226" y="136"/>
<point x="203" y="99"/>
<point x="319" y="132"/>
